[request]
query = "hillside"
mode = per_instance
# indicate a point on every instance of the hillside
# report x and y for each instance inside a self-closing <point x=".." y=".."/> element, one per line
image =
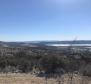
<point x="41" y="43"/>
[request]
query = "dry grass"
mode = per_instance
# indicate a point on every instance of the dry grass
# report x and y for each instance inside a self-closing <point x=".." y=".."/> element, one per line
<point x="22" y="79"/>
<point x="31" y="79"/>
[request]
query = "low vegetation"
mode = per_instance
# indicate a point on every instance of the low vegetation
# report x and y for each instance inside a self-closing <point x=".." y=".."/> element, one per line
<point x="42" y="60"/>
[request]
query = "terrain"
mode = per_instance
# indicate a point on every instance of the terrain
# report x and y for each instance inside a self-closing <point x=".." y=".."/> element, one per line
<point x="23" y="61"/>
<point x="41" y="43"/>
<point x="32" y="79"/>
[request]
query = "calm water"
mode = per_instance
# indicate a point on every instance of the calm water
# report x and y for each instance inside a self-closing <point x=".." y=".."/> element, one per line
<point x="69" y="44"/>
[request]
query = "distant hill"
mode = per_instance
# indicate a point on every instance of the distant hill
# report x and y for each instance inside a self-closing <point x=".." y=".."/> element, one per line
<point x="67" y="42"/>
<point x="40" y="43"/>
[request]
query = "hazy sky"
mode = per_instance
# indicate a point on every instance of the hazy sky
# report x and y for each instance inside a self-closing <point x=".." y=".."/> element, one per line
<point x="26" y="20"/>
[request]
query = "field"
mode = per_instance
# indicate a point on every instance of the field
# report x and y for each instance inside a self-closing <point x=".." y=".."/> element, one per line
<point x="31" y="79"/>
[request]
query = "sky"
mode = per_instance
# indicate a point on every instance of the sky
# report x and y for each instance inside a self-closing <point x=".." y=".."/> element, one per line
<point x="29" y="20"/>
